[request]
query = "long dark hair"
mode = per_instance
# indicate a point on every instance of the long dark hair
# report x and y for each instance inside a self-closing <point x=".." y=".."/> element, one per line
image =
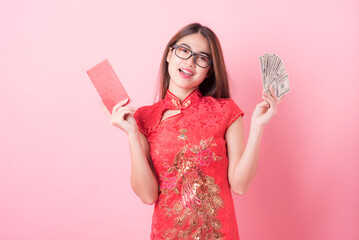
<point x="216" y="84"/>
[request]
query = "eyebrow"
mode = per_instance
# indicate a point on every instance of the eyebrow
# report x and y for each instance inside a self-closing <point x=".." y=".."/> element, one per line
<point x="186" y="45"/>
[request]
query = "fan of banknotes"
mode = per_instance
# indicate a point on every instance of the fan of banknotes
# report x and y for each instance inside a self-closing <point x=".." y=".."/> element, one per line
<point x="274" y="74"/>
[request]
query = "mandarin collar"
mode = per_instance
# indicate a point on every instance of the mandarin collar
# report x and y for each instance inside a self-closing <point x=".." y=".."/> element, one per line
<point x="173" y="102"/>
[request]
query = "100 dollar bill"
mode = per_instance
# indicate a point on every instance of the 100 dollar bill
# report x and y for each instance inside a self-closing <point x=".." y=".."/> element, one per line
<point x="274" y="74"/>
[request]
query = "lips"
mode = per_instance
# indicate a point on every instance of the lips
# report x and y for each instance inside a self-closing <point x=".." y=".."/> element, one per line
<point x="186" y="72"/>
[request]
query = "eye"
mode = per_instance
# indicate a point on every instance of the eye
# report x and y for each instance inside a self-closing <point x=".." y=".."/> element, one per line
<point x="182" y="49"/>
<point x="203" y="58"/>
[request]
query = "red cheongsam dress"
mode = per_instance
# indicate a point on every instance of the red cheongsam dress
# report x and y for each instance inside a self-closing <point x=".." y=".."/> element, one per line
<point x="189" y="156"/>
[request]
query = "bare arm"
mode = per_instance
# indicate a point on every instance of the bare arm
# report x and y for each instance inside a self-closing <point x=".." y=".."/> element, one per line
<point x="243" y="160"/>
<point x="143" y="179"/>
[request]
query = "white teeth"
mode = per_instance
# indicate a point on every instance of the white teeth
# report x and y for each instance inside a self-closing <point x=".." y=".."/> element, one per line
<point x="188" y="73"/>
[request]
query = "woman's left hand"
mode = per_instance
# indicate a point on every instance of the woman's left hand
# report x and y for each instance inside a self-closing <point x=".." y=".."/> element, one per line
<point x="265" y="110"/>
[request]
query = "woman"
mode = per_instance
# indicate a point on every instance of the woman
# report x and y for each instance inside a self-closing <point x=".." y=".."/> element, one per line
<point x="188" y="150"/>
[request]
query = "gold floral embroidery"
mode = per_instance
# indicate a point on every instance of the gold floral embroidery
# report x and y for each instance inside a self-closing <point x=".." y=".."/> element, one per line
<point x="196" y="210"/>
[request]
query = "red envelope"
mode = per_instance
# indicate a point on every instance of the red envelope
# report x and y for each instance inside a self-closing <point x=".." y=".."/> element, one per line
<point x="107" y="84"/>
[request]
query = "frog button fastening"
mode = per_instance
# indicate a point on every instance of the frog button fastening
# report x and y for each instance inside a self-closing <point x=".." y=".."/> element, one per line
<point x="183" y="135"/>
<point x="187" y="103"/>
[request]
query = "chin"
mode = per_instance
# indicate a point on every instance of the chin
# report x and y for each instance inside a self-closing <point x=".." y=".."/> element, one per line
<point x="186" y="86"/>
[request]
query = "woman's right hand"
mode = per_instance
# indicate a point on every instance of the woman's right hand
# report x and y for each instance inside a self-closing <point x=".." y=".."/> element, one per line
<point x="122" y="117"/>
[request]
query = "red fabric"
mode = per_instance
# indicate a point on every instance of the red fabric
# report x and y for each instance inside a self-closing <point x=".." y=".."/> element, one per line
<point x="189" y="156"/>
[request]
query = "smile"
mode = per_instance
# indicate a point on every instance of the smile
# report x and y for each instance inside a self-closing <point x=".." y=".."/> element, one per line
<point x="188" y="73"/>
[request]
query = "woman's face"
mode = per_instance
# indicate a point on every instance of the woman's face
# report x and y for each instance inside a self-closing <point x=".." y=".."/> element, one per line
<point x="184" y="73"/>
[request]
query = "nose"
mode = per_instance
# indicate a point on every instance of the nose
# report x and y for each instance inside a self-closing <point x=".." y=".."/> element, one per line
<point x="190" y="61"/>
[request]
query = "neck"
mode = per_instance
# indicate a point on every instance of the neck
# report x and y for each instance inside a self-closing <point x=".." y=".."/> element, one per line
<point x="181" y="93"/>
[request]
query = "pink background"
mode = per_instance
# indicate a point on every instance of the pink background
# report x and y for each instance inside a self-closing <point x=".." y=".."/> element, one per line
<point x="64" y="169"/>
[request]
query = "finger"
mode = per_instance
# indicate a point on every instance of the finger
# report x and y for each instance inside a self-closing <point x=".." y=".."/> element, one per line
<point x="271" y="103"/>
<point x="273" y="94"/>
<point x="273" y="98"/>
<point x="131" y="108"/>
<point x="262" y="104"/>
<point x="268" y="95"/>
<point x="120" y="104"/>
<point x="265" y="104"/>
<point x="123" y="113"/>
<point x="118" y="111"/>
<point x="120" y="118"/>
<point x="268" y="99"/>
<point x="271" y="90"/>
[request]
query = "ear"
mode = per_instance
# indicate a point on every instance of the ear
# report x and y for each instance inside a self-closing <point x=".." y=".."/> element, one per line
<point x="169" y="55"/>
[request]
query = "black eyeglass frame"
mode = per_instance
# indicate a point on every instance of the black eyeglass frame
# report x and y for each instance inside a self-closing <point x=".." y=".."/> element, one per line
<point x="192" y="54"/>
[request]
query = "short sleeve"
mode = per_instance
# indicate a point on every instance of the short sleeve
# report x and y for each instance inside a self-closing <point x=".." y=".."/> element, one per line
<point x="234" y="112"/>
<point x="140" y="117"/>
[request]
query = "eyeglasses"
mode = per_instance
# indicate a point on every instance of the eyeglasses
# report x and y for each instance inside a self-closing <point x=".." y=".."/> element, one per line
<point x="200" y="60"/>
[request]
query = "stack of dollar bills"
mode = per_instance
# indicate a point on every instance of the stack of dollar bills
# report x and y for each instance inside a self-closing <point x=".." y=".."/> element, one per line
<point x="274" y="74"/>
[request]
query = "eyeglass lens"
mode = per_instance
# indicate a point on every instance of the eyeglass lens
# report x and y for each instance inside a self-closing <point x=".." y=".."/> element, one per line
<point x="199" y="59"/>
